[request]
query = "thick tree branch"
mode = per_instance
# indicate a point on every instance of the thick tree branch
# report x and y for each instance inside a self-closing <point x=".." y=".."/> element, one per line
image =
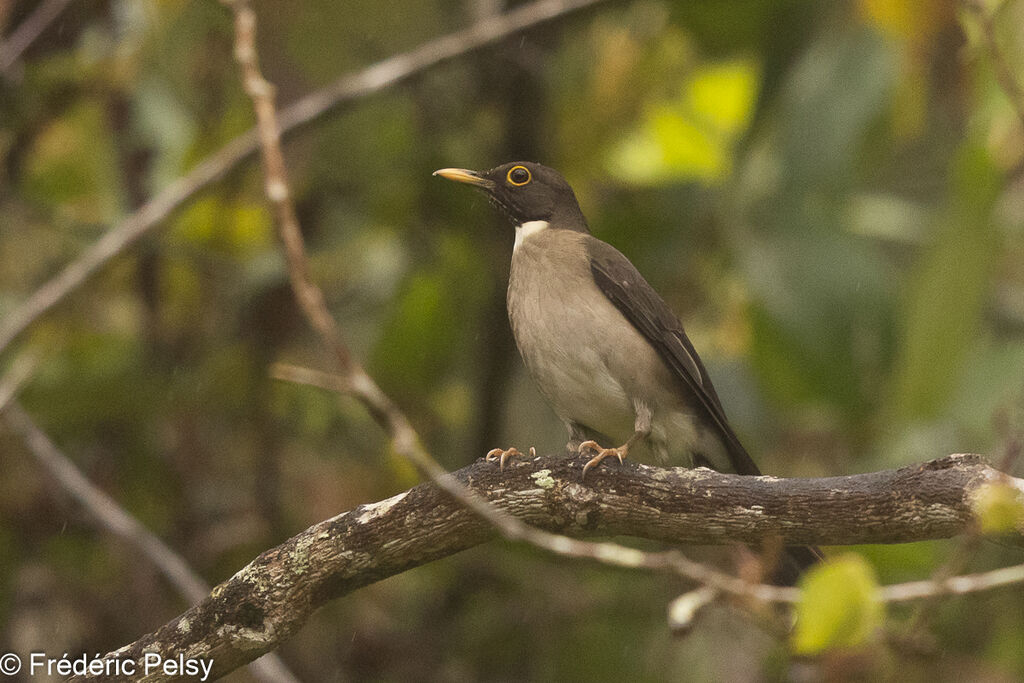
<point x="269" y="600"/>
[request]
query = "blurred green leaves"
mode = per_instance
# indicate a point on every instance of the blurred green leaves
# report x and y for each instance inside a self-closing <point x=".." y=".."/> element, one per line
<point x="947" y="293"/>
<point x="692" y="136"/>
<point x="821" y="308"/>
<point x="72" y="167"/>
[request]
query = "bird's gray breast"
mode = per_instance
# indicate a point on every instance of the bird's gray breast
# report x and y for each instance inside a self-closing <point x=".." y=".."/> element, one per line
<point x="588" y="360"/>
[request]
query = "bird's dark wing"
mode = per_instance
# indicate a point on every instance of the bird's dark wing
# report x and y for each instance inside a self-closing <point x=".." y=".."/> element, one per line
<point x="622" y="283"/>
<point x="648" y="313"/>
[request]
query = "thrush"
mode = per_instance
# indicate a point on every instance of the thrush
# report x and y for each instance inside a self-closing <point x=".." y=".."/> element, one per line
<point x="604" y="348"/>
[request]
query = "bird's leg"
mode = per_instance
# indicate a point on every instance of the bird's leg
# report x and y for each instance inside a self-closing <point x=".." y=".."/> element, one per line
<point x="501" y="455"/>
<point x="641" y="430"/>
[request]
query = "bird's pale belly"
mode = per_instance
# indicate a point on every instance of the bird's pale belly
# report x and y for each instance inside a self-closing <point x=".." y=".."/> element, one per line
<point x="593" y="376"/>
<point x="581" y="389"/>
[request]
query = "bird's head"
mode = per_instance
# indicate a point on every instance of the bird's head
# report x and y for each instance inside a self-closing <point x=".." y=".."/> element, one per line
<point x="525" y="192"/>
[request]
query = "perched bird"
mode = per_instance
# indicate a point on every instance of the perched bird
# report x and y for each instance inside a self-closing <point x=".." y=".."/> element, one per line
<point x="605" y="350"/>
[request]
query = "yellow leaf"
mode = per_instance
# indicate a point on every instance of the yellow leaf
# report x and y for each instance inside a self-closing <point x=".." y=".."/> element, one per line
<point x="999" y="508"/>
<point x="693" y="134"/>
<point x="724" y="95"/>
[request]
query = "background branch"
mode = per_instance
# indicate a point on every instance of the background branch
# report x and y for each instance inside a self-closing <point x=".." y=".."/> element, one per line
<point x="271" y="598"/>
<point x="114" y="519"/>
<point x="28" y="31"/>
<point x="377" y="77"/>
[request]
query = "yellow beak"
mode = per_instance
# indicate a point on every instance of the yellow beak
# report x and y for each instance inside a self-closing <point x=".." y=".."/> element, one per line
<point x="464" y="175"/>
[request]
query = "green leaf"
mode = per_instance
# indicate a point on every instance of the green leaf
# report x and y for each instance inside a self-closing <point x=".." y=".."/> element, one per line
<point x="839" y="606"/>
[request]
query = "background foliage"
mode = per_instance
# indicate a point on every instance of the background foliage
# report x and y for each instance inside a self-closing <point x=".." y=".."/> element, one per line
<point x="830" y="194"/>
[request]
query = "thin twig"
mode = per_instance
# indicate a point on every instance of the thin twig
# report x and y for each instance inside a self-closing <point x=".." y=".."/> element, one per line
<point x="29" y="30"/>
<point x="110" y="516"/>
<point x="309" y="296"/>
<point x="955" y="585"/>
<point x="103" y="509"/>
<point x="683" y="611"/>
<point x="384" y="74"/>
<point x="16" y="377"/>
<point x="924" y="612"/>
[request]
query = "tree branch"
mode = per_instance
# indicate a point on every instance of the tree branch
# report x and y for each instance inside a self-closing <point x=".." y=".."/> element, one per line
<point x="270" y="599"/>
<point x="384" y="74"/>
<point x="27" y="33"/>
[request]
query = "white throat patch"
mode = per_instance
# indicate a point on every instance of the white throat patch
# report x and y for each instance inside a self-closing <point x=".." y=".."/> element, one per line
<point x="526" y="229"/>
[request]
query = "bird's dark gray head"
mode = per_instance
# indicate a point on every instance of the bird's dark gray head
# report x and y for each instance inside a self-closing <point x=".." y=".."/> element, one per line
<point x="525" y="192"/>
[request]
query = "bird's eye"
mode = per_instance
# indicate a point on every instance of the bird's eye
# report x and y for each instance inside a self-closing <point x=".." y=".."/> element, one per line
<point x="519" y="175"/>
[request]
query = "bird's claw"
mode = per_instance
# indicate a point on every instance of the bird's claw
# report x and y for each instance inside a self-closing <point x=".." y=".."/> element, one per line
<point x="602" y="453"/>
<point x="501" y="455"/>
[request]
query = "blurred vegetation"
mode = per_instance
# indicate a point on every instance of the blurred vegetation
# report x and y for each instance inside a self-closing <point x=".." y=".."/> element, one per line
<point x="830" y="194"/>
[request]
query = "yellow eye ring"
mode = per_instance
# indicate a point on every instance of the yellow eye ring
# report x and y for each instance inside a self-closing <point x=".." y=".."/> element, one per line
<point x="519" y="176"/>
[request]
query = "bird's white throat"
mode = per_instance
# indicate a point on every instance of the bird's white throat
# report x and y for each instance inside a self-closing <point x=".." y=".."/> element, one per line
<point x="526" y="229"/>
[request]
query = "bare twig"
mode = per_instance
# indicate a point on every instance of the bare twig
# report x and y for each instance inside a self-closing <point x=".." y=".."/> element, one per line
<point x="377" y="77"/>
<point x="1004" y="74"/>
<point x="955" y="585"/>
<point x="108" y="515"/>
<point x="29" y="30"/>
<point x="309" y="296"/>
<point x="275" y="594"/>
<point x="16" y="377"/>
<point x="103" y="509"/>
<point x="683" y="611"/>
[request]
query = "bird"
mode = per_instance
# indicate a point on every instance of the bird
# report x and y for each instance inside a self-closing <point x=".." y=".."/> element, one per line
<point x="605" y="350"/>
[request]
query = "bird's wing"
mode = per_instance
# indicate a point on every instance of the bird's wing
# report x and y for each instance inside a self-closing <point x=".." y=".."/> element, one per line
<point x="625" y="287"/>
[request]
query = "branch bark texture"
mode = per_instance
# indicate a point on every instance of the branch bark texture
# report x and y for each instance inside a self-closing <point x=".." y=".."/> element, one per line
<point x="271" y="598"/>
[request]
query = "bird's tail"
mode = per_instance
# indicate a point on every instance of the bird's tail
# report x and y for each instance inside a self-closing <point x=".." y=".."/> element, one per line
<point x="794" y="561"/>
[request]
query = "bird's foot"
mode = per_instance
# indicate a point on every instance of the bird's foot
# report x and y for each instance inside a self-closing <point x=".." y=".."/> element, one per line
<point x="602" y="453"/>
<point x="501" y="455"/>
